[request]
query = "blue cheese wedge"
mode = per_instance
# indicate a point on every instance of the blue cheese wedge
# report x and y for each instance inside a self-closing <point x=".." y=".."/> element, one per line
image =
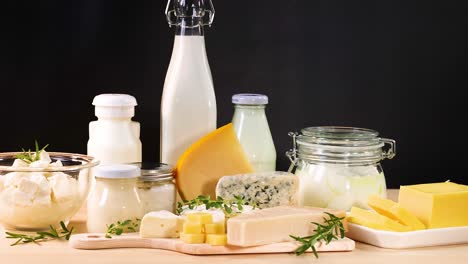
<point x="265" y="189"/>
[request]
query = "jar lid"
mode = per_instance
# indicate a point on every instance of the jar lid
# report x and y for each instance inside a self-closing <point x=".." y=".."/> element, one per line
<point x="151" y="171"/>
<point x="341" y="145"/>
<point x="117" y="171"/>
<point x="114" y="105"/>
<point x="250" y="99"/>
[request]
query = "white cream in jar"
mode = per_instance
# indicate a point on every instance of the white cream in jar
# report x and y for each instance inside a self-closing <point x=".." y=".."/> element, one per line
<point x="156" y="187"/>
<point x="114" y="197"/>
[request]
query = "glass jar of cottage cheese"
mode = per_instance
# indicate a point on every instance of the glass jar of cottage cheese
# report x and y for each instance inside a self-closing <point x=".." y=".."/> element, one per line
<point x="339" y="167"/>
<point x="114" y="197"/>
<point x="156" y="187"/>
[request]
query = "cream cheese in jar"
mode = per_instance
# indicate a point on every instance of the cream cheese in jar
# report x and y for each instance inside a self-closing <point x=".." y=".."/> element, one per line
<point x="114" y="197"/>
<point x="339" y="167"/>
<point x="156" y="187"/>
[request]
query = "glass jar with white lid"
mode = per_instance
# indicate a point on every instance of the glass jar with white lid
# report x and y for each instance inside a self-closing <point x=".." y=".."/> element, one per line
<point x="114" y="197"/>
<point x="156" y="187"/>
<point x="339" y="167"/>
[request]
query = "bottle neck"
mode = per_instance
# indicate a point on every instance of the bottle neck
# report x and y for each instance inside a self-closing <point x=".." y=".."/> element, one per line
<point x="190" y="26"/>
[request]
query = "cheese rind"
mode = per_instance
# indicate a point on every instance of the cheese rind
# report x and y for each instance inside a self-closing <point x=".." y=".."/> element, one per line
<point x="276" y="224"/>
<point x="266" y="189"/>
<point x="161" y="224"/>
<point x="394" y="211"/>
<point x="374" y="220"/>
<point x="201" y="166"/>
<point x="437" y="205"/>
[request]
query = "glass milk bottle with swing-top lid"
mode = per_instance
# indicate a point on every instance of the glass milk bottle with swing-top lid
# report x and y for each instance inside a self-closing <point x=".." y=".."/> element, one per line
<point x="114" y="138"/>
<point x="339" y="167"/>
<point x="188" y="104"/>
<point x="252" y="130"/>
<point x="114" y="197"/>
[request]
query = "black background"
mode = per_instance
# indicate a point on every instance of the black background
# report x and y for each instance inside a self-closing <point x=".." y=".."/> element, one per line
<point x="398" y="67"/>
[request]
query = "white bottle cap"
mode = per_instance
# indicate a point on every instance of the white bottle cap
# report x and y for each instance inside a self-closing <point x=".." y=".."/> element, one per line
<point x="114" y="105"/>
<point x="117" y="171"/>
<point x="250" y="99"/>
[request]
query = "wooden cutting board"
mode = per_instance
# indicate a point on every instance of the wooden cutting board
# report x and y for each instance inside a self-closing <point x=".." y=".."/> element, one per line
<point x="133" y="240"/>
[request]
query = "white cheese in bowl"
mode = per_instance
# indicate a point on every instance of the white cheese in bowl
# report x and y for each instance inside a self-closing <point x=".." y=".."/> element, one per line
<point x="36" y="199"/>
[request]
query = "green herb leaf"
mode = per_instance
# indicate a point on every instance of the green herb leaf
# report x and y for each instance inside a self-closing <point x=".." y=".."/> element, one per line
<point x="121" y="227"/>
<point x="323" y="232"/>
<point x="40" y="236"/>
<point x="28" y="156"/>
<point x="220" y="203"/>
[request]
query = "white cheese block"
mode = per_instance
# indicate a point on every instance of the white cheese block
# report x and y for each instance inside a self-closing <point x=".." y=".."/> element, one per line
<point x="64" y="187"/>
<point x="161" y="224"/>
<point x="265" y="189"/>
<point x="273" y="225"/>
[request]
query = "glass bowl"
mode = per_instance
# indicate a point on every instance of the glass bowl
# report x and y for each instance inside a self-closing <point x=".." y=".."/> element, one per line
<point x="33" y="199"/>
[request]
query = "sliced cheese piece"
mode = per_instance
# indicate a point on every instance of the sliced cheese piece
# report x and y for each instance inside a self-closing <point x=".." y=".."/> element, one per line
<point x="216" y="239"/>
<point x="374" y="220"/>
<point x="193" y="238"/>
<point x="218" y="228"/>
<point x="161" y="224"/>
<point x="265" y="189"/>
<point x="218" y="215"/>
<point x="192" y="228"/>
<point x="200" y="218"/>
<point x="201" y="166"/>
<point x="276" y="224"/>
<point x="394" y="211"/>
<point x="437" y="205"/>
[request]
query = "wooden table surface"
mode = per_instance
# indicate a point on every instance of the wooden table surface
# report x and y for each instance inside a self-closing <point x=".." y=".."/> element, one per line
<point x="60" y="252"/>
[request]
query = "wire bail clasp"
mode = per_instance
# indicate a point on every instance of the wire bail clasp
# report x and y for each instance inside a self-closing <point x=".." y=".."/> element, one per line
<point x="200" y="9"/>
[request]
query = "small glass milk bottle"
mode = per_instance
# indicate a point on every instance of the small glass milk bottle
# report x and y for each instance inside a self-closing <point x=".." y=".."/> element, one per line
<point x="252" y="130"/>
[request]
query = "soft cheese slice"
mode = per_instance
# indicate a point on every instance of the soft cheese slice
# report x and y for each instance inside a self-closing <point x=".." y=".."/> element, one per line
<point x="201" y="166"/>
<point x="272" y="225"/>
<point x="265" y="189"/>
<point x="394" y="211"/>
<point x="374" y="220"/>
<point x="161" y="224"/>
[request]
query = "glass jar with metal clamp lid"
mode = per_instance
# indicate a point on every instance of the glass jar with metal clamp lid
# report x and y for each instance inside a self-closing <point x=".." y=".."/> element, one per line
<point x="156" y="187"/>
<point x="339" y="167"/>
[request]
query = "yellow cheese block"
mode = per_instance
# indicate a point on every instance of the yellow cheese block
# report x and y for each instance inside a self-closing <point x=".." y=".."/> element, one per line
<point x="394" y="211"/>
<point x="192" y="238"/>
<point x="437" y="205"/>
<point x="192" y="228"/>
<point x="218" y="228"/>
<point x="374" y="220"/>
<point x="216" y="239"/>
<point x="215" y="155"/>
<point x="200" y="218"/>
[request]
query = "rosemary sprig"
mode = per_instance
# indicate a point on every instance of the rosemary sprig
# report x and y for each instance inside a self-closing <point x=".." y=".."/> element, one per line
<point x="332" y="229"/>
<point x="41" y="236"/>
<point x="226" y="205"/>
<point x="122" y="226"/>
<point x="30" y="156"/>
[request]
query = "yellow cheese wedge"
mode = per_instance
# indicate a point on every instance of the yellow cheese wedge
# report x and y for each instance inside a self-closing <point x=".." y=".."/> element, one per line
<point x="192" y="228"/>
<point x="200" y="218"/>
<point x="216" y="239"/>
<point x="218" y="228"/>
<point x="374" y="220"/>
<point x="192" y="238"/>
<point x="215" y="155"/>
<point x="437" y="205"/>
<point x="394" y="211"/>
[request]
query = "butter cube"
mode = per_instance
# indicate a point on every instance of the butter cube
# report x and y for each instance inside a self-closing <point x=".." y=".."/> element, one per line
<point x="192" y="228"/>
<point x="161" y="224"/>
<point x="192" y="238"/>
<point x="437" y="205"/>
<point x="218" y="228"/>
<point x="200" y="218"/>
<point x="216" y="239"/>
